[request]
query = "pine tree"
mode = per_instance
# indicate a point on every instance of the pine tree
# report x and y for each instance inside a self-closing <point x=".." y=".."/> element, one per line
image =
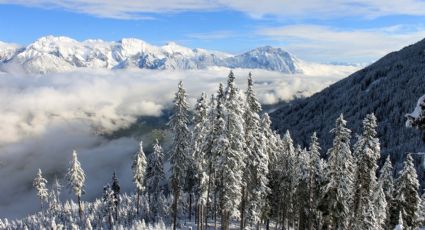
<point x="179" y="150"/>
<point x="214" y="144"/>
<point x="380" y="207"/>
<point x="386" y="182"/>
<point x="367" y="152"/>
<point x="421" y="212"/>
<point x="335" y="202"/>
<point x="76" y="179"/>
<point x="315" y="179"/>
<point x="270" y="141"/>
<point x="109" y="204"/>
<point x="255" y="189"/>
<point x="116" y="188"/>
<point x="154" y="179"/>
<point x="200" y="131"/>
<point x="407" y="197"/>
<point x="54" y="203"/>
<point x="288" y="179"/>
<point x="139" y="170"/>
<point x="233" y="156"/>
<point x="40" y="185"/>
<point x="301" y="196"/>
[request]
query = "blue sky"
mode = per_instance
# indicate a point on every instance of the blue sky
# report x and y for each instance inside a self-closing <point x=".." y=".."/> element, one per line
<point x="321" y="31"/>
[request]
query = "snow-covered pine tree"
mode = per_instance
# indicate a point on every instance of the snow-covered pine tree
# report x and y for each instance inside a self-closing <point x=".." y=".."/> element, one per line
<point x="154" y="179"/>
<point x="214" y="144"/>
<point x="179" y="150"/>
<point x="139" y="170"/>
<point x="39" y="184"/>
<point x="269" y="138"/>
<point x="255" y="188"/>
<point x="200" y="131"/>
<point x="406" y="193"/>
<point x="116" y="188"/>
<point x="336" y="194"/>
<point x="109" y="204"/>
<point x="288" y="179"/>
<point x="380" y="207"/>
<point x="301" y="196"/>
<point x="270" y="142"/>
<point x="233" y="157"/>
<point x="421" y="212"/>
<point x="386" y="182"/>
<point x="54" y="196"/>
<point x="314" y="184"/>
<point x="76" y="178"/>
<point x="367" y="152"/>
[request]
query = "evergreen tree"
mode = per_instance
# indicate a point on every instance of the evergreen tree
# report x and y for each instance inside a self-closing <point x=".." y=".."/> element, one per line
<point x="270" y="142"/>
<point x="386" y="182"/>
<point x="255" y="188"/>
<point x="406" y="194"/>
<point x="116" y="189"/>
<point x="301" y="197"/>
<point x="54" y="203"/>
<point x="179" y="150"/>
<point x="367" y="152"/>
<point x="76" y="178"/>
<point x="40" y="186"/>
<point x="233" y="157"/>
<point x="109" y="204"/>
<point x="139" y="170"/>
<point x="154" y="179"/>
<point x="421" y="212"/>
<point x="314" y="184"/>
<point x="214" y="146"/>
<point x="380" y="207"/>
<point x="335" y="202"/>
<point x="200" y="131"/>
<point x="288" y="180"/>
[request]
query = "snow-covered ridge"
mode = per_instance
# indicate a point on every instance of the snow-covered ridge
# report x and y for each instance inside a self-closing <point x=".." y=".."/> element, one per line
<point x="63" y="54"/>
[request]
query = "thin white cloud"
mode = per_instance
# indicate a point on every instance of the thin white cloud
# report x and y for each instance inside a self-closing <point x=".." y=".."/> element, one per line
<point x="214" y="35"/>
<point x="127" y="9"/>
<point x="313" y="42"/>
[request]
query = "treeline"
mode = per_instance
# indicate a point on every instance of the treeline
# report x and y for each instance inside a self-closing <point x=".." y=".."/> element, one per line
<point x="229" y="167"/>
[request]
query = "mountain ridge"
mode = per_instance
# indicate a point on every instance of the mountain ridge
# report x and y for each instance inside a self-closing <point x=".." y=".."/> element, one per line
<point x="63" y="54"/>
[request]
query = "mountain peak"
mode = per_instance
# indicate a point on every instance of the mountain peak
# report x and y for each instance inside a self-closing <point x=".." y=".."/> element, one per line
<point x="173" y="47"/>
<point x="59" y="53"/>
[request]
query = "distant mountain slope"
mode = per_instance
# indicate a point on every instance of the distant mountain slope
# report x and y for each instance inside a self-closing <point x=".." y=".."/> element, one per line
<point x="63" y="54"/>
<point x="389" y="88"/>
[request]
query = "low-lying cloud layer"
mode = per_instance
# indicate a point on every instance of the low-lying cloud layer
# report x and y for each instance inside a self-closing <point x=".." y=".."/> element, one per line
<point x="45" y="117"/>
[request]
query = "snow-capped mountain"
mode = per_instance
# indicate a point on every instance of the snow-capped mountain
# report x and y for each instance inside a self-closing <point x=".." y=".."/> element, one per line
<point x="63" y="54"/>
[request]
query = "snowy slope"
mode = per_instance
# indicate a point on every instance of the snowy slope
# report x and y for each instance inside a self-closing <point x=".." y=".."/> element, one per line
<point x="63" y="54"/>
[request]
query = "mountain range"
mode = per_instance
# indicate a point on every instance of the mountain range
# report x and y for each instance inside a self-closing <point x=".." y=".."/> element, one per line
<point x="63" y="54"/>
<point x="389" y="88"/>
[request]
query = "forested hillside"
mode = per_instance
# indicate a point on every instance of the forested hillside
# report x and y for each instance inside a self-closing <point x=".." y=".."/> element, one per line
<point x="389" y="88"/>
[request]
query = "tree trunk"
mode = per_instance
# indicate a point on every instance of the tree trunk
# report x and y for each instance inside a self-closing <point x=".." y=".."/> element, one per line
<point x="242" y="214"/>
<point x="215" y="211"/>
<point x="190" y="206"/>
<point x="175" y="203"/>
<point x="80" y="211"/>
<point x="138" y="202"/>
<point x="208" y="200"/>
<point x="110" y="220"/>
